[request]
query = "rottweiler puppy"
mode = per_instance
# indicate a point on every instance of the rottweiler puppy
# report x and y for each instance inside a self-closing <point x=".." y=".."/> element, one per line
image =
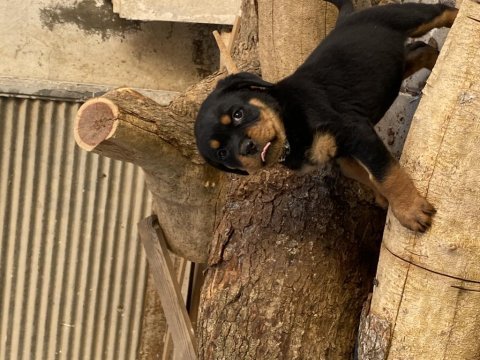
<point x="327" y="108"/>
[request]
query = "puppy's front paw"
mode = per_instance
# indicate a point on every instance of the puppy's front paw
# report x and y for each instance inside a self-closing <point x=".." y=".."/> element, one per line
<point x="416" y="214"/>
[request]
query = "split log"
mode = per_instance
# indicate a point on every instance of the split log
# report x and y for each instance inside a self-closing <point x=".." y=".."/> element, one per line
<point x="428" y="286"/>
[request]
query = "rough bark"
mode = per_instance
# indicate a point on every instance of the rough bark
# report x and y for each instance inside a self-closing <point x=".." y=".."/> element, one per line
<point x="428" y="287"/>
<point x="292" y="263"/>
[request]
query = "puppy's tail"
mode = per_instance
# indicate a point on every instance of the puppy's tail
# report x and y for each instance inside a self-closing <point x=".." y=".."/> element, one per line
<point x="410" y="19"/>
<point x="341" y="3"/>
<point x="345" y="8"/>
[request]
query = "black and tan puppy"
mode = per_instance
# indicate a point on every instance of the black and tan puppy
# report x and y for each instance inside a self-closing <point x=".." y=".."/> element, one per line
<point x="327" y="108"/>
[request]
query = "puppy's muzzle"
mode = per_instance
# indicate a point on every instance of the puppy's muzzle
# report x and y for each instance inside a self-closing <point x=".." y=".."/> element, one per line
<point x="248" y="147"/>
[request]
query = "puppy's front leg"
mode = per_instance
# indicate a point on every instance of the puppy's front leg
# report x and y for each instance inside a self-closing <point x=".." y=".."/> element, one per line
<point x="353" y="170"/>
<point x="391" y="180"/>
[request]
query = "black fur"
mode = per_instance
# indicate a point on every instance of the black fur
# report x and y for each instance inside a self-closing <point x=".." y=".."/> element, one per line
<point x="343" y="89"/>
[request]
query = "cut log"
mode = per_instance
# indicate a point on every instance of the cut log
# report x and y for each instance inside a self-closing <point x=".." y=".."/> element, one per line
<point x="428" y="286"/>
<point x="122" y="125"/>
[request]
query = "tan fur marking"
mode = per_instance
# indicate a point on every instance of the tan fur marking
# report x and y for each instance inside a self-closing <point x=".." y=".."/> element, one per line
<point x="271" y="116"/>
<point x="214" y="144"/>
<point x="410" y="208"/>
<point x="268" y="127"/>
<point x="444" y="19"/>
<point x="250" y="164"/>
<point x="397" y="186"/>
<point x="353" y="170"/>
<point x="323" y="148"/>
<point x="225" y="120"/>
<point x="258" y="103"/>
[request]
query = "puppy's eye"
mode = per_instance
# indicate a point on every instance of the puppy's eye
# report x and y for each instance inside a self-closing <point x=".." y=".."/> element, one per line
<point x="222" y="154"/>
<point x="237" y="116"/>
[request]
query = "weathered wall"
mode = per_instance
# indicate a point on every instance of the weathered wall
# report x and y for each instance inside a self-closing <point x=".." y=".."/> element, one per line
<point x="205" y="11"/>
<point x="84" y="41"/>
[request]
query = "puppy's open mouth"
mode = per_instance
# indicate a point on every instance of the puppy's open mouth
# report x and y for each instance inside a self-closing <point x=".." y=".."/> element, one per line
<point x="265" y="151"/>
<point x="274" y="151"/>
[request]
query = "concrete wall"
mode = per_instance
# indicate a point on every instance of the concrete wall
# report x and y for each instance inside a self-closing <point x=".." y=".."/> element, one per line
<point x="203" y="11"/>
<point x="84" y="41"/>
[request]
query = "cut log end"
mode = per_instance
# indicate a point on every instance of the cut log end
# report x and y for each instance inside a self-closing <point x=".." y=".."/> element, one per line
<point x="95" y="122"/>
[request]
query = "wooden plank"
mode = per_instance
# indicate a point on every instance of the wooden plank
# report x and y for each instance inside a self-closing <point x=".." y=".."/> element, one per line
<point x="190" y="11"/>
<point x="68" y="91"/>
<point x="163" y="273"/>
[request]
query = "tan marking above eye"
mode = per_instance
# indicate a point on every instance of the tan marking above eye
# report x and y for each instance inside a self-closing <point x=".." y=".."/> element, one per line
<point x="225" y="120"/>
<point x="214" y="144"/>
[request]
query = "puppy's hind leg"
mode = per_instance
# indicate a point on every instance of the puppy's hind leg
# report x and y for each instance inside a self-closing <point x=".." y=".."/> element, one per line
<point x="419" y="55"/>
<point x="411" y="19"/>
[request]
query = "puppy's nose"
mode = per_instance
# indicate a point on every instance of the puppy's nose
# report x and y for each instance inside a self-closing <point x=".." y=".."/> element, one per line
<point x="248" y="147"/>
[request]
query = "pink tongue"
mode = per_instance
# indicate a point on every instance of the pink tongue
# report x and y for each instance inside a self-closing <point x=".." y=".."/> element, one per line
<point x="264" y="151"/>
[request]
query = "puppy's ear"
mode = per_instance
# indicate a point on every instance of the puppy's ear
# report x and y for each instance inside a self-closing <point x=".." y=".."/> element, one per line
<point x="242" y="80"/>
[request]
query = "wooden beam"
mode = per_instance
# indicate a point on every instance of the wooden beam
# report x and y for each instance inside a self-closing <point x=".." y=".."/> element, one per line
<point x="163" y="273"/>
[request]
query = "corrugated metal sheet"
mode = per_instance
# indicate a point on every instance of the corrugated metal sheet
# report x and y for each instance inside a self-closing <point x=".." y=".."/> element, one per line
<point x="72" y="273"/>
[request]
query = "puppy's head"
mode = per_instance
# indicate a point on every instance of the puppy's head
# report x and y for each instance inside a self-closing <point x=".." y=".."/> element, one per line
<point x="238" y="128"/>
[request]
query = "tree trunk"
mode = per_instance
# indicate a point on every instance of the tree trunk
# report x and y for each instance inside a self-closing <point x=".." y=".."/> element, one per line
<point x="292" y="263"/>
<point x="428" y="286"/>
<point x="293" y="256"/>
<point x="127" y="126"/>
<point x="289" y="31"/>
